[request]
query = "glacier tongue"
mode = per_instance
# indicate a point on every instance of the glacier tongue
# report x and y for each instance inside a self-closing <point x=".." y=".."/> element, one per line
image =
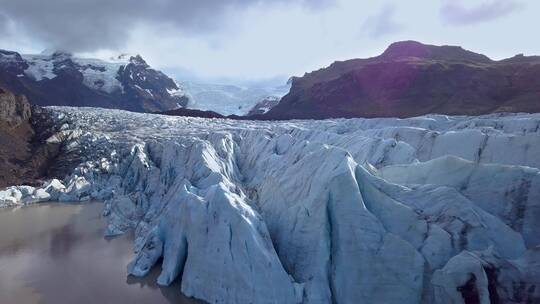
<point x="432" y="209"/>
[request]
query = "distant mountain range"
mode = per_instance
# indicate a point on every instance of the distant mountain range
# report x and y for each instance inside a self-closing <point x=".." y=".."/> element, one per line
<point x="412" y="79"/>
<point x="124" y="82"/>
<point x="408" y="79"/>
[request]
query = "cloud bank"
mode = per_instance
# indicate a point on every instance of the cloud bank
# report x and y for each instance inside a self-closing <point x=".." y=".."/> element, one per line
<point x="85" y="26"/>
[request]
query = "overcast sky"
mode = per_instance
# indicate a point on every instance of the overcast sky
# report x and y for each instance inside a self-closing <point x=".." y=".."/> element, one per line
<point x="263" y="39"/>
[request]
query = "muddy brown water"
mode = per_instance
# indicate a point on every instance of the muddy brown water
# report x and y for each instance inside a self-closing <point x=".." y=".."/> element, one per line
<point x="56" y="253"/>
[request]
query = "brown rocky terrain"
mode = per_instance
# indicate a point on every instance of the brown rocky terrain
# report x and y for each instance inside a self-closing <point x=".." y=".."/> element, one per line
<point x="24" y="155"/>
<point x="411" y="79"/>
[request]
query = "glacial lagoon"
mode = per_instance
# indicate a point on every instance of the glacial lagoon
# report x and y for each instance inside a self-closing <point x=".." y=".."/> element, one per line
<point x="56" y="253"/>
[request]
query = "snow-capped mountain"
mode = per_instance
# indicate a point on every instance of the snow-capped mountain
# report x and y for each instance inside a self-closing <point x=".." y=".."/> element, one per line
<point x="59" y="78"/>
<point x="229" y="99"/>
<point x="432" y="209"/>
<point x="123" y="82"/>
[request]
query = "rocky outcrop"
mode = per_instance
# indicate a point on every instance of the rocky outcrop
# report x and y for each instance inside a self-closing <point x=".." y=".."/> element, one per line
<point x="25" y="155"/>
<point x="15" y="135"/>
<point x="14" y="110"/>
<point x="412" y="79"/>
<point x="264" y="105"/>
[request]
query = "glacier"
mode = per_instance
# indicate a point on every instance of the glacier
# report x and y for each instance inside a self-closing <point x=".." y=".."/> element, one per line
<point x="227" y="99"/>
<point x="432" y="209"/>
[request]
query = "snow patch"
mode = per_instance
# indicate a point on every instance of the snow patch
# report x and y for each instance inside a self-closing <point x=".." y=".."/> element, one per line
<point x="99" y="74"/>
<point x="39" y="67"/>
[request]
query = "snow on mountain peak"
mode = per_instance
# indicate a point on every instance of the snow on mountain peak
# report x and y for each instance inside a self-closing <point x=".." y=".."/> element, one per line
<point x="59" y="78"/>
<point x="137" y="59"/>
<point x="97" y="74"/>
<point x="100" y="75"/>
<point x="40" y="67"/>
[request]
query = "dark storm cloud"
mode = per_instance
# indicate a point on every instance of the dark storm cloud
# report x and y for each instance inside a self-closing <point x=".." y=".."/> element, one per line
<point x="88" y="25"/>
<point x="3" y="24"/>
<point x="454" y="12"/>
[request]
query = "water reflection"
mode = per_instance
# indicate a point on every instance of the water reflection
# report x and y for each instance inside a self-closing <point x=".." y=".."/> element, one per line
<point x="56" y="253"/>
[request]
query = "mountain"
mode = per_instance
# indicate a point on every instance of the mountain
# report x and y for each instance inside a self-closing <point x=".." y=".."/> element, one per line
<point x="411" y="79"/>
<point x="432" y="209"/>
<point x="59" y="78"/>
<point x="227" y="99"/>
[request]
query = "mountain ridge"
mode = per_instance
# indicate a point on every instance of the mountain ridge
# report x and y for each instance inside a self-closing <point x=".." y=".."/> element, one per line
<point x="59" y="78"/>
<point x="413" y="79"/>
<point x="408" y="79"/>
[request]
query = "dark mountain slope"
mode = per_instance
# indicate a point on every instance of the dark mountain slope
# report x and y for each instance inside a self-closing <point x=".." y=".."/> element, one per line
<point x="411" y="79"/>
<point x="193" y="113"/>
